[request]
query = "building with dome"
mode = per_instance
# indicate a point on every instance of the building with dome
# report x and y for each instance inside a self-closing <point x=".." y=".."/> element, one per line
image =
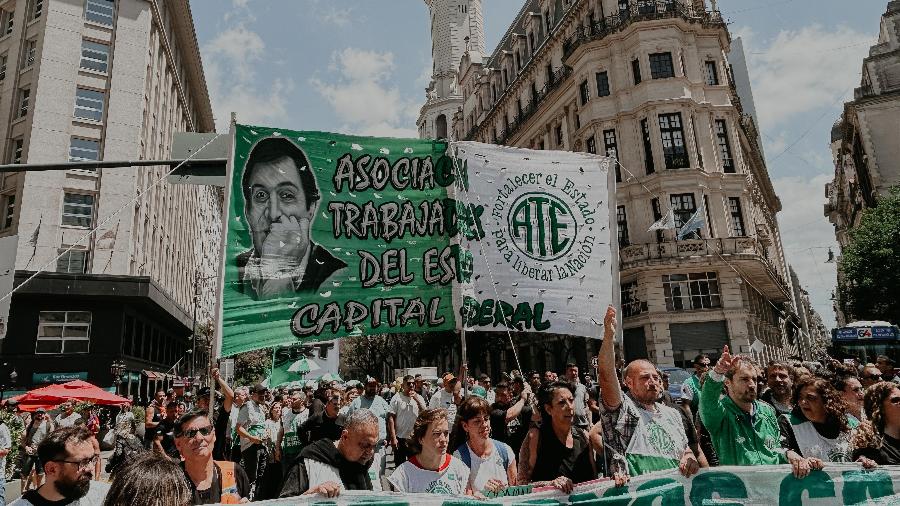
<point x="654" y="85"/>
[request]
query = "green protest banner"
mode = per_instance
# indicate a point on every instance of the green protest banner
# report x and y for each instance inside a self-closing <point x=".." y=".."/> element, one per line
<point x="838" y="484"/>
<point x="331" y="235"/>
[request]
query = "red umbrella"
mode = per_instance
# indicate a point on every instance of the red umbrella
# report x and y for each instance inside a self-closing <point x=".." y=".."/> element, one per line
<point x="52" y="395"/>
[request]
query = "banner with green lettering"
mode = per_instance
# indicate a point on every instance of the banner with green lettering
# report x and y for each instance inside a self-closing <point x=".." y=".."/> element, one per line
<point x="838" y="484"/>
<point x="331" y="235"/>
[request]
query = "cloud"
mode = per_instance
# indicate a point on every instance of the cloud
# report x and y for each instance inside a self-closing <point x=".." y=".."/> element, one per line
<point x="337" y="17"/>
<point x="803" y="70"/>
<point x="806" y="234"/>
<point x="361" y="96"/>
<point x="230" y="62"/>
<point x="326" y="13"/>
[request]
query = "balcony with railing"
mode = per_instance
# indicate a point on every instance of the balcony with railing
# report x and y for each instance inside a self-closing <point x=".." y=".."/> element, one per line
<point x="746" y="254"/>
<point x="642" y="10"/>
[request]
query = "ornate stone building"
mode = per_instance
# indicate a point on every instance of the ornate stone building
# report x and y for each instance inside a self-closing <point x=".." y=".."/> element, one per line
<point x="649" y="83"/>
<point x="864" y="143"/>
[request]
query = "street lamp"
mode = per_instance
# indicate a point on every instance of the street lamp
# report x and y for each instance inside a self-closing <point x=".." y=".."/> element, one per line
<point x="117" y="368"/>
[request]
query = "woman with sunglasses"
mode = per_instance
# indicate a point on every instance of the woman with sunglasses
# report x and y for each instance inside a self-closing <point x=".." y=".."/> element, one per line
<point x="878" y="440"/>
<point x="431" y="469"/>
<point x="491" y="463"/>
<point x="818" y="426"/>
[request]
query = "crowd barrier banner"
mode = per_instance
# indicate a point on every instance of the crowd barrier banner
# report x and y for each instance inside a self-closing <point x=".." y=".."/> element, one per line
<point x="759" y="485"/>
<point x="331" y="235"/>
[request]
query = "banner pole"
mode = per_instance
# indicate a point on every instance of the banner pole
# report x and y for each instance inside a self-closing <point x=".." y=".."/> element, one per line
<point x="464" y="379"/>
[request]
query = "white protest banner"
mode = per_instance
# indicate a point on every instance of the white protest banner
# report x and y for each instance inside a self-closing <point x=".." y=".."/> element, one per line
<point x="545" y="259"/>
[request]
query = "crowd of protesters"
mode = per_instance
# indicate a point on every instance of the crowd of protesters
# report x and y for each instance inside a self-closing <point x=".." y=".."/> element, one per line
<point x="469" y="437"/>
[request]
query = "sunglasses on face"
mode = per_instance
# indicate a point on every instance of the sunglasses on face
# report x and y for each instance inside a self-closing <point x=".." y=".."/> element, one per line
<point x="872" y="376"/>
<point x="895" y="400"/>
<point x="192" y="433"/>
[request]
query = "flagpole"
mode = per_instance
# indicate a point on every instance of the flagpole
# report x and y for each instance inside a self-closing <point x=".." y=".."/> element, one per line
<point x="462" y="338"/>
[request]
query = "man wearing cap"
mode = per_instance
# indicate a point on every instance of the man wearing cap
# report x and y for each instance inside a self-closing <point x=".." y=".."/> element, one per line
<point x="250" y="427"/>
<point x="448" y="397"/>
<point x="380" y="408"/>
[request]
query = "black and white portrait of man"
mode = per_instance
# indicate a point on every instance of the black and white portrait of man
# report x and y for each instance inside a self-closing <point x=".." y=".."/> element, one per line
<point x="281" y="200"/>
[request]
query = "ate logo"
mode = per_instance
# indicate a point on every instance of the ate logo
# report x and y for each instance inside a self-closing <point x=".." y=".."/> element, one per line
<point x="542" y="226"/>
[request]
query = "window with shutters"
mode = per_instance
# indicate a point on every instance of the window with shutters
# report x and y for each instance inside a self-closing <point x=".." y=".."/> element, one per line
<point x="16" y="150"/>
<point x="648" y="146"/>
<point x="89" y="104"/>
<point x="72" y="261"/>
<point x="661" y="66"/>
<point x="602" y="84"/>
<point x="78" y="210"/>
<point x="584" y="92"/>
<point x="611" y="146"/>
<point x="737" y="217"/>
<point x="37" y="9"/>
<point x="7" y="18"/>
<point x="83" y="150"/>
<point x="724" y="147"/>
<point x="712" y="73"/>
<point x="9" y="209"/>
<point x="29" y="53"/>
<point x="622" y="226"/>
<point x="99" y="11"/>
<point x="63" y="332"/>
<point x="24" y="102"/>
<point x="94" y="56"/>
<point x="696" y="290"/>
<point x="671" y="132"/>
<point x="684" y="206"/>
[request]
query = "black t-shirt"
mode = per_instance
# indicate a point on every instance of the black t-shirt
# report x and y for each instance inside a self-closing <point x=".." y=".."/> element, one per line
<point x="167" y="431"/>
<point x="36" y="499"/>
<point x="887" y="454"/>
<point x="321" y="427"/>
<point x="499" y="429"/>
<point x="220" y="425"/>
<point x="213" y="495"/>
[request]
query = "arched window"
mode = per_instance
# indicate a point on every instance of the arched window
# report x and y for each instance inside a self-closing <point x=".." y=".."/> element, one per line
<point x="440" y="125"/>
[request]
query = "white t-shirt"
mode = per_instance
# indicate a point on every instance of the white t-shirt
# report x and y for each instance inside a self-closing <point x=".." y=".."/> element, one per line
<point x="444" y="399"/>
<point x="405" y="410"/>
<point x="5" y="444"/>
<point x="66" y="421"/>
<point x="450" y="480"/>
<point x="491" y="468"/>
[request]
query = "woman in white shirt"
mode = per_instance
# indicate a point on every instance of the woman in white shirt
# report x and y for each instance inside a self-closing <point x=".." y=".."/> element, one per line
<point x="491" y="463"/>
<point x="431" y="469"/>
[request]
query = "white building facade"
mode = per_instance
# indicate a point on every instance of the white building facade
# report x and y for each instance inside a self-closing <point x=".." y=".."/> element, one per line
<point x="105" y="80"/>
<point x="649" y="83"/>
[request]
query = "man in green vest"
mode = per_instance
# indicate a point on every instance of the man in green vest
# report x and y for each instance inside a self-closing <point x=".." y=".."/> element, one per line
<point x="744" y="430"/>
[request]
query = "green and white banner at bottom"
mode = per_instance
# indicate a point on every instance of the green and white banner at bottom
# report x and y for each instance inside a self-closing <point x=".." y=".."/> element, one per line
<point x="730" y="485"/>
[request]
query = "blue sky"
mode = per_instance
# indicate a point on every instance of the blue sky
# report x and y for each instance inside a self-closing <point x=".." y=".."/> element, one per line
<point x="362" y="66"/>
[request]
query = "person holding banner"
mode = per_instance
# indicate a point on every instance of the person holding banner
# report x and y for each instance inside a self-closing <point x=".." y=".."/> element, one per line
<point x="879" y="439"/>
<point x="431" y="469"/>
<point x="491" y="463"/>
<point x="281" y="200"/>
<point x="643" y="434"/>
<point x="565" y="450"/>
<point x="818" y="426"/>
<point x="744" y="430"/>
<point x="328" y="467"/>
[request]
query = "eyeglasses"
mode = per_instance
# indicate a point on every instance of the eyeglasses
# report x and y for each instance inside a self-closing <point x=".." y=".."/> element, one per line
<point x="872" y="376"/>
<point x="192" y="433"/>
<point x="82" y="464"/>
<point x="895" y="400"/>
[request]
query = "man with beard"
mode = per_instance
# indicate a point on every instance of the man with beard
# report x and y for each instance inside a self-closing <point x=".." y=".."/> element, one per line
<point x="744" y="430"/>
<point x="643" y="434"/>
<point x="211" y="481"/>
<point x="328" y="467"/>
<point x="68" y="459"/>
<point x="780" y="378"/>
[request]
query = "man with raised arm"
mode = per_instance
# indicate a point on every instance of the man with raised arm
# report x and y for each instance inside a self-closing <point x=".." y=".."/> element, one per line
<point x="744" y="430"/>
<point x="643" y="435"/>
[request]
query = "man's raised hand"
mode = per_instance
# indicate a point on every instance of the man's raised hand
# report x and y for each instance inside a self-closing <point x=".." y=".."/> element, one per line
<point x="725" y="361"/>
<point x="609" y="323"/>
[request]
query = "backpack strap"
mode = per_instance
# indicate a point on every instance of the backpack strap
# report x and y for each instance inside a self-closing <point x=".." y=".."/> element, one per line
<point x="504" y="455"/>
<point x="464" y="455"/>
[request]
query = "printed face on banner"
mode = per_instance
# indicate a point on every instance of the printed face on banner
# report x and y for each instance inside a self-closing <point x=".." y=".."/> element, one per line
<point x="331" y="236"/>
